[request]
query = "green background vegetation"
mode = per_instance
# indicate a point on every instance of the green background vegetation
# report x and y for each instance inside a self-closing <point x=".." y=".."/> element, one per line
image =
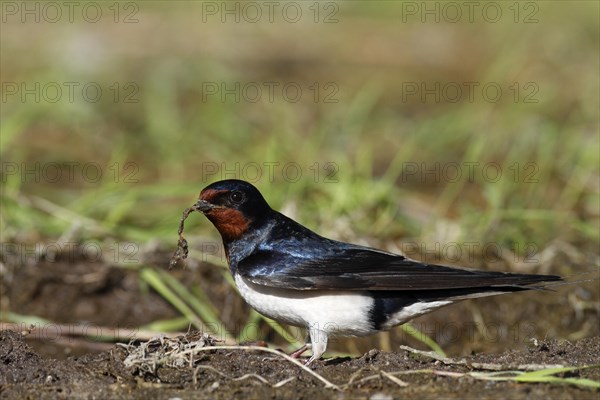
<point x="360" y="139"/>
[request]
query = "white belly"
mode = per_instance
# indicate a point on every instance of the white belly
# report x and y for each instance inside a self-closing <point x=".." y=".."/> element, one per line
<point x="342" y="313"/>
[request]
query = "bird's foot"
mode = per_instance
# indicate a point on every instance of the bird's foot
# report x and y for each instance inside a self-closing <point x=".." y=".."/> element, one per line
<point x="310" y="361"/>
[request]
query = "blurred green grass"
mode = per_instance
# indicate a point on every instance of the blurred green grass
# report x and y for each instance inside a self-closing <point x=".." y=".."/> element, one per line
<point x="154" y="153"/>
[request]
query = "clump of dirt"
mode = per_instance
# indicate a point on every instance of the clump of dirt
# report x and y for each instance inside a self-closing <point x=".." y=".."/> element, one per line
<point x="163" y="368"/>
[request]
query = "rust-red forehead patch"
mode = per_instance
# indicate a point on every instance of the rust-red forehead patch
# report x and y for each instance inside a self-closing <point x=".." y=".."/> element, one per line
<point x="211" y="194"/>
<point x="230" y="222"/>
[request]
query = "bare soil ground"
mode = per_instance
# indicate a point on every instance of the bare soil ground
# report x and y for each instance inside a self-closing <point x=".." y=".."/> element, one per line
<point x="226" y="374"/>
<point x="47" y="362"/>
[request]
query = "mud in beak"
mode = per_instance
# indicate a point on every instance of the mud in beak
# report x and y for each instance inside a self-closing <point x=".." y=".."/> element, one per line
<point x="203" y="206"/>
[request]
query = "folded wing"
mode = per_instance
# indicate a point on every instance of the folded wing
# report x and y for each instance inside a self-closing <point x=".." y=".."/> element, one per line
<point x="358" y="268"/>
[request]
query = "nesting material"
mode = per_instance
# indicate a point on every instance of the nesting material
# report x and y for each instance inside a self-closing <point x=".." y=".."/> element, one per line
<point x="182" y="245"/>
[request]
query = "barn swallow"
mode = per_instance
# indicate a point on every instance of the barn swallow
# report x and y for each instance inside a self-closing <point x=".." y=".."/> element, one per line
<point x="291" y="274"/>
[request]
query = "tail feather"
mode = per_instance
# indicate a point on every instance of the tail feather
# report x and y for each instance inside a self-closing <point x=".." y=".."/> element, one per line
<point x="393" y="307"/>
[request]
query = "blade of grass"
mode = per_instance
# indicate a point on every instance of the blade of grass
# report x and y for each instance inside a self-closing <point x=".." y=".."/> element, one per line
<point x="23" y="319"/>
<point x="150" y="276"/>
<point x="423" y="338"/>
<point x="540" y="376"/>
<point x="253" y="320"/>
<point x="205" y="309"/>
<point x="167" y="325"/>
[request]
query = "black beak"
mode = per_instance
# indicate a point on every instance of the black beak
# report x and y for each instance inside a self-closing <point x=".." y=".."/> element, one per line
<point x="203" y="206"/>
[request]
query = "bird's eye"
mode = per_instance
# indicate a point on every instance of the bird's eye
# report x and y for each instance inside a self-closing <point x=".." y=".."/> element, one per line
<point x="237" y="196"/>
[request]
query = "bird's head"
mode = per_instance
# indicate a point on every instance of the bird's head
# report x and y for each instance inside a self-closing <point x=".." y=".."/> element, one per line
<point x="232" y="206"/>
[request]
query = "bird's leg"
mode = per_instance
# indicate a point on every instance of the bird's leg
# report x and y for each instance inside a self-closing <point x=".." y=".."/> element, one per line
<point x="318" y="339"/>
<point x="297" y="353"/>
<point x="300" y="351"/>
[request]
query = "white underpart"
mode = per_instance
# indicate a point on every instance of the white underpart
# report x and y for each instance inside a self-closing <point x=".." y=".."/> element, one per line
<point x="322" y="312"/>
<point x="341" y="313"/>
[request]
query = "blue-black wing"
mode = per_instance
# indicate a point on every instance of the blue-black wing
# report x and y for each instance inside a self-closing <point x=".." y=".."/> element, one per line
<point x="360" y="268"/>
